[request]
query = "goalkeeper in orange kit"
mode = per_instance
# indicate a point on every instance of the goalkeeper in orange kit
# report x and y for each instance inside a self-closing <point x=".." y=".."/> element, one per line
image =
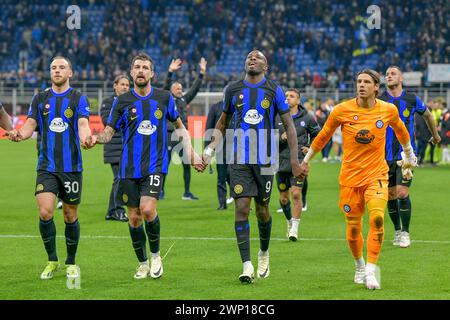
<point x="364" y="172"/>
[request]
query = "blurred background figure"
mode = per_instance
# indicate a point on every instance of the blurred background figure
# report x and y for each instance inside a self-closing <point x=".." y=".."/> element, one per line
<point x="112" y="151"/>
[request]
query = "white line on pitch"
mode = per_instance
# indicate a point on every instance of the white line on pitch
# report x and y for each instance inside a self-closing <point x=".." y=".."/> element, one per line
<point x="204" y="238"/>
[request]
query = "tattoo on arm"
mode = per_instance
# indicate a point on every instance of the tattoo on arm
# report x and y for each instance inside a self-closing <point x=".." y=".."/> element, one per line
<point x="106" y="135"/>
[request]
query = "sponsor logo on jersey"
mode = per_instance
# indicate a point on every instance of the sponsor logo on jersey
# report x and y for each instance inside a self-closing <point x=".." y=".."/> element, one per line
<point x="58" y="125"/>
<point x="364" y="137"/>
<point x="253" y="117"/>
<point x="146" y="128"/>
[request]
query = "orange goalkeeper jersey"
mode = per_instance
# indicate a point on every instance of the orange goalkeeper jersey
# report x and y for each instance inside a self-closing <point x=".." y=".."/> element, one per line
<point x="364" y="139"/>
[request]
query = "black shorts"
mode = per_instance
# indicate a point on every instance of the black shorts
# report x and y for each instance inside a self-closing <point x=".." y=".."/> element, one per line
<point x="395" y="176"/>
<point x="65" y="185"/>
<point x="247" y="180"/>
<point x="285" y="180"/>
<point x="133" y="189"/>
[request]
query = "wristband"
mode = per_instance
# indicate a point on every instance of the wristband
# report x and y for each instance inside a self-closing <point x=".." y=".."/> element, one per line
<point x="209" y="151"/>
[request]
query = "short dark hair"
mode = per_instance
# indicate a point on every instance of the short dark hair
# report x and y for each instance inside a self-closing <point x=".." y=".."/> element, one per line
<point x="373" y="74"/>
<point x="120" y="77"/>
<point x="62" y="57"/>
<point x="294" y="90"/>
<point x="396" y="67"/>
<point x="142" y="56"/>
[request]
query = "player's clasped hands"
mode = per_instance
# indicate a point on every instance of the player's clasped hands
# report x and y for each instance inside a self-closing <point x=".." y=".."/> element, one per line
<point x="90" y="142"/>
<point x="198" y="163"/>
<point x="14" y="135"/>
<point x="302" y="169"/>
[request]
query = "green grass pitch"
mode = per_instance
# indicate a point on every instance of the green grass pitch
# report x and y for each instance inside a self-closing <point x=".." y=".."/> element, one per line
<point x="204" y="262"/>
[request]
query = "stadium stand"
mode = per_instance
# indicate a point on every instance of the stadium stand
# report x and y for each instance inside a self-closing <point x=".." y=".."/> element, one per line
<point x="311" y="43"/>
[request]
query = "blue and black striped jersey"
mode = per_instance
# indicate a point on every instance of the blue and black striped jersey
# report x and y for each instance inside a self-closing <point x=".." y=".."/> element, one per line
<point x="254" y="107"/>
<point x="57" y="116"/>
<point x="407" y="104"/>
<point x="144" y="131"/>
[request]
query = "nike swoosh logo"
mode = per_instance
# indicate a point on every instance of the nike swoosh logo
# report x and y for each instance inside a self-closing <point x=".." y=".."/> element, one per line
<point x="265" y="199"/>
<point x="262" y="275"/>
<point x="379" y="192"/>
<point x="158" y="272"/>
<point x="46" y="113"/>
<point x="73" y="199"/>
<point x="240" y="105"/>
<point x="132" y="118"/>
<point x="151" y="191"/>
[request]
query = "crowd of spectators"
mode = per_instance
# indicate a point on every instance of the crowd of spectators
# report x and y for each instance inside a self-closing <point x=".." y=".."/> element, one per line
<point x="412" y="35"/>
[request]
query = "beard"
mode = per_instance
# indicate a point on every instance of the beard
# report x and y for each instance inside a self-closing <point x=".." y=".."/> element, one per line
<point x="253" y="72"/>
<point x="393" y="86"/>
<point x="141" y="84"/>
<point x="59" y="83"/>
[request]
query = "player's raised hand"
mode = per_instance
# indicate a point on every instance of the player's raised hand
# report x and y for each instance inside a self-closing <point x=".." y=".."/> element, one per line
<point x="202" y="65"/>
<point x="175" y="65"/>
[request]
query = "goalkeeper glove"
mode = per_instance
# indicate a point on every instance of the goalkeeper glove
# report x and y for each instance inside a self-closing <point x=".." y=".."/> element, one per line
<point x="407" y="164"/>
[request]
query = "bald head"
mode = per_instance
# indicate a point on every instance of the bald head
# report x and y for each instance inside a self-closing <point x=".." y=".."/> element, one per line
<point x="176" y="89"/>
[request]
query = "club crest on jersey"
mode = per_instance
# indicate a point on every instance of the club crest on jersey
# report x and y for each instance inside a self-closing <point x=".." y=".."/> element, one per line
<point x="379" y="124"/>
<point x="68" y="113"/>
<point x="282" y="186"/>
<point x="406" y="113"/>
<point x="347" y="208"/>
<point x="146" y="128"/>
<point x="241" y="96"/>
<point x="158" y="114"/>
<point x="302" y="123"/>
<point x="253" y="117"/>
<point x="355" y="118"/>
<point x="125" y="198"/>
<point x="265" y="103"/>
<point x="47" y="106"/>
<point x="58" y="125"/>
<point x="364" y="137"/>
